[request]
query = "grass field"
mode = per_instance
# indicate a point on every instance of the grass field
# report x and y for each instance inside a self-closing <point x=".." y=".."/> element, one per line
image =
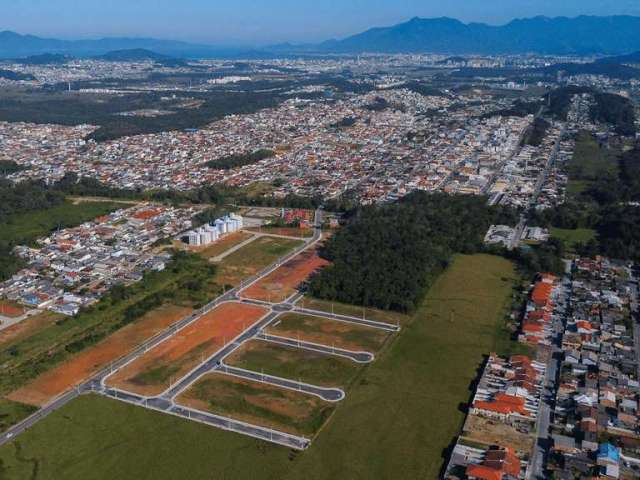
<point x="400" y="415"/>
<point x="590" y="162"/>
<point x="354" y="311"/>
<point x="572" y="238"/>
<point x="258" y="403"/>
<point x="329" y="332"/>
<point x="310" y="367"/>
<point x="24" y="228"/>
<point x="285" y="231"/>
<point x="252" y="258"/>
<point x="224" y="244"/>
<point x="11" y="413"/>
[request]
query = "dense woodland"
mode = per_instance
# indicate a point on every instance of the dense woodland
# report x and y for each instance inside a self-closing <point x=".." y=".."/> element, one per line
<point x="388" y="255"/>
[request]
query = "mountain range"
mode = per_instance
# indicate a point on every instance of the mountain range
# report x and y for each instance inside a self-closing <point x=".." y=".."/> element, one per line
<point x="560" y="35"/>
<point x="614" y="35"/>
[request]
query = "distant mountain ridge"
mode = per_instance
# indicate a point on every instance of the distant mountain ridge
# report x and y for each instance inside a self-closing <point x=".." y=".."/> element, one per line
<point x="614" y="35"/>
<point x="560" y="35"/>
<point x="15" y="45"/>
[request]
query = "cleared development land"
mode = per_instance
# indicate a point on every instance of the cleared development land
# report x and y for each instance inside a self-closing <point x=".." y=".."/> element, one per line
<point x="224" y="244"/>
<point x="79" y="368"/>
<point x="258" y="403"/>
<point x="383" y="316"/>
<point x="283" y="282"/>
<point x="293" y="363"/>
<point x="252" y="258"/>
<point x="152" y="373"/>
<point x="398" y="418"/>
<point x="329" y="332"/>
<point x="11" y="309"/>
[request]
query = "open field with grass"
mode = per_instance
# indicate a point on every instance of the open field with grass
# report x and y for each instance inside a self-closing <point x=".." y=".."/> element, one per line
<point x="329" y="332"/>
<point x="283" y="282"/>
<point x="152" y="373"/>
<point x="398" y="418"/>
<point x="46" y="345"/>
<point x="27" y="327"/>
<point x="258" y="403"/>
<point x="252" y="258"/>
<point x="11" y="413"/>
<point x="590" y="163"/>
<point x="383" y="316"/>
<point x="24" y="228"/>
<point x="79" y="368"/>
<point x="309" y="367"/>
<point x="225" y="243"/>
<point x="284" y="231"/>
<point x="572" y="238"/>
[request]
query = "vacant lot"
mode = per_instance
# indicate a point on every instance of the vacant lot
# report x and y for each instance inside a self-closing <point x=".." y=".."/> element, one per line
<point x="283" y="282"/>
<point x="285" y="231"/>
<point x="258" y="403"/>
<point x="329" y="332"/>
<point x="153" y="373"/>
<point x="383" y="316"/>
<point x="590" y="163"/>
<point x="309" y="367"/>
<point x="27" y="327"/>
<point x="252" y="258"/>
<point x="572" y="238"/>
<point x="225" y="243"/>
<point x="488" y="432"/>
<point x="396" y="422"/>
<point x="82" y="366"/>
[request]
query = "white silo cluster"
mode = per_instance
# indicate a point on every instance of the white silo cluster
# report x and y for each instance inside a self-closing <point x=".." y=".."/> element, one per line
<point x="211" y="232"/>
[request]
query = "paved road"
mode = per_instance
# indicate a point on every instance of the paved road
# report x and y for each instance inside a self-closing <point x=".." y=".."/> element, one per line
<point x="358" y="357"/>
<point x="90" y="384"/>
<point x="327" y="394"/>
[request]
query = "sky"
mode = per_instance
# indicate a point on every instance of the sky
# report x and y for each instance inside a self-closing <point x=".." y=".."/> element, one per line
<point x="263" y="22"/>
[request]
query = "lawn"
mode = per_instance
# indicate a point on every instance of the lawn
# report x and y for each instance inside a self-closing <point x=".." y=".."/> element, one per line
<point x="24" y="228"/>
<point x="257" y="403"/>
<point x="329" y="332"/>
<point x="225" y="243"/>
<point x="295" y="364"/>
<point x="572" y="238"/>
<point x="400" y="415"/>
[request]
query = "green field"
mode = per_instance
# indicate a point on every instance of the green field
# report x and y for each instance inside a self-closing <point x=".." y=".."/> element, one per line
<point x="257" y="403"/>
<point x="400" y="415"/>
<point x="338" y="308"/>
<point x="590" y="163"/>
<point x="329" y="332"/>
<point x="572" y="238"/>
<point x="12" y="412"/>
<point x="252" y="258"/>
<point x="24" y="228"/>
<point x="287" y="362"/>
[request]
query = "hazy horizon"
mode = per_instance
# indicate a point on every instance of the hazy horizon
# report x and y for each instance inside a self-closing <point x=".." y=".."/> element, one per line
<point x="256" y="22"/>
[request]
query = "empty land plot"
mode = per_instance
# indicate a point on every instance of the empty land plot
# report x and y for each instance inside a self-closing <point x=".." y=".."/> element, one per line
<point x="490" y="432"/>
<point x="293" y="363"/>
<point x="153" y="372"/>
<point x="252" y="258"/>
<point x="283" y="282"/>
<point x="329" y="332"/>
<point x="374" y="314"/>
<point x="26" y="327"/>
<point x="225" y="243"/>
<point x="284" y="231"/>
<point x="258" y="403"/>
<point x="54" y="382"/>
<point x="11" y="309"/>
